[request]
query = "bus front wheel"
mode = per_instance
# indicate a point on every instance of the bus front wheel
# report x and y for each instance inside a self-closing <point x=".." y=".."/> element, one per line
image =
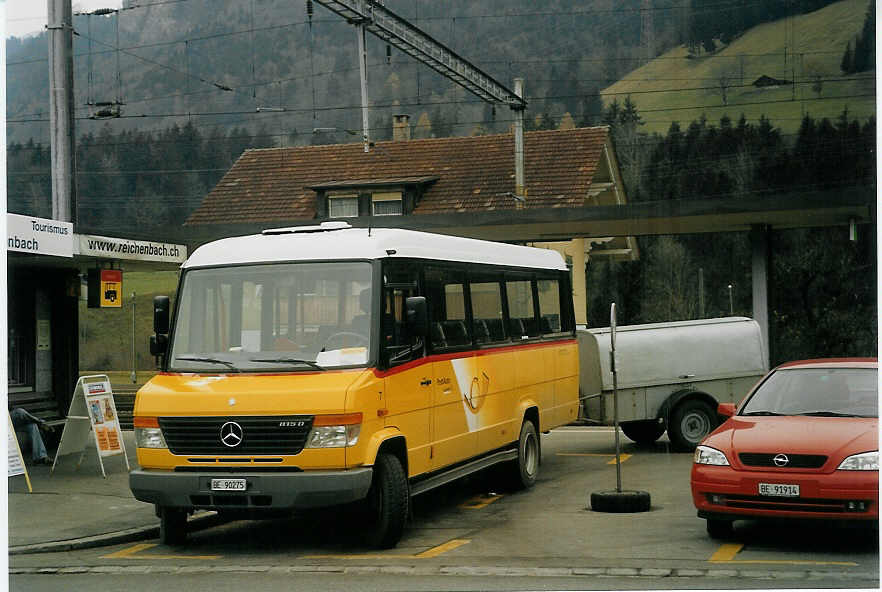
<point x="172" y="526"/>
<point x="387" y="502"/>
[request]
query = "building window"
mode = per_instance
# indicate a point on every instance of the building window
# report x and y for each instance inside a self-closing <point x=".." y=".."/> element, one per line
<point x="386" y="204"/>
<point x="342" y="206"/>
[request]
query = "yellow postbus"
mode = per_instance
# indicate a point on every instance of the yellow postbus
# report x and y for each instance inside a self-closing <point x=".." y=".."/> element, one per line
<point x="324" y="365"/>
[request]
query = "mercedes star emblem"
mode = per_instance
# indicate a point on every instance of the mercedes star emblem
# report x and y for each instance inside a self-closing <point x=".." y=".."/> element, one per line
<point x="780" y="460"/>
<point x="231" y="434"/>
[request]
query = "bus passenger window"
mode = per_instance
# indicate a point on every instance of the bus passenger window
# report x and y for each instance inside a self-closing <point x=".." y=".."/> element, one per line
<point x="447" y="313"/>
<point x="487" y="319"/>
<point x="549" y="306"/>
<point x="521" y="318"/>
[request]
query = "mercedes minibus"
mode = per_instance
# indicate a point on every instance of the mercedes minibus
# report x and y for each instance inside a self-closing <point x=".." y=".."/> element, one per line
<point x="328" y="365"/>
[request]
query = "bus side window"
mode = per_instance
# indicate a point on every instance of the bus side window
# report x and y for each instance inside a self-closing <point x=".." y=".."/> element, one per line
<point x="521" y="317"/>
<point x="397" y="343"/>
<point x="445" y="296"/>
<point x="487" y="313"/>
<point x="549" y="306"/>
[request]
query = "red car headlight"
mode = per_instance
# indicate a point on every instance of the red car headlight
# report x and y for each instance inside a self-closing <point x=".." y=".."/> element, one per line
<point x="866" y="461"/>
<point x="705" y="455"/>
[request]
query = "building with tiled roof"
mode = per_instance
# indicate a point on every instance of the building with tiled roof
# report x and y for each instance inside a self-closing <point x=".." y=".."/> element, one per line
<point x="460" y="185"/>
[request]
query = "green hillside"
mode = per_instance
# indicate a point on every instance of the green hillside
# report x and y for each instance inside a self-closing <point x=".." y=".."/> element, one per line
<point x="677" y="87"/>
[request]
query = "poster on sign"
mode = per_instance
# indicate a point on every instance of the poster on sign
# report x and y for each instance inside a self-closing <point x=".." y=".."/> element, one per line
<point x="14" y="460"/>
<point x="92" y="416"/>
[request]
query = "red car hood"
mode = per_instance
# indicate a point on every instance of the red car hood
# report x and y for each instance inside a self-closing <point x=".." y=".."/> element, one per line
<point x="835" y="437"/>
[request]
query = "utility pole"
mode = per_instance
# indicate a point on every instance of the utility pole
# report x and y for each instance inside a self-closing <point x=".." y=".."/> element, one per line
<point x="519" y="143"/>
<point x="61" y="110"/>
<point x="362" y="69"/>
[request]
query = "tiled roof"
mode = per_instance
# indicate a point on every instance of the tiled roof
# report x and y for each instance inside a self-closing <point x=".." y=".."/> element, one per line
<point x="474" y="174"/>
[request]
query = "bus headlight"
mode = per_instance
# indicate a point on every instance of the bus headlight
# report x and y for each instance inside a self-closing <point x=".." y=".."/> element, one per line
<point x="334" y="431"/>
<point x="148" y="434"/>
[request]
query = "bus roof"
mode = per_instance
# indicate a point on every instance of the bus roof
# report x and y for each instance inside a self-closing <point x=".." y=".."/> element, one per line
<point x="338" y="241"/>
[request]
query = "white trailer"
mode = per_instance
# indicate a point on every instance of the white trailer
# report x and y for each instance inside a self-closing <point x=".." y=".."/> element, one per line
<point x="671" y="376"/>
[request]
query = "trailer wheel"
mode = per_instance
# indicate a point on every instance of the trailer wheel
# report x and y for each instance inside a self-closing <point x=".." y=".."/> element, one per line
<point x="691" y="421"/>
<point x="172" y="526"/>
<point x="643" y="432"/>
<point x="387" y="503"/>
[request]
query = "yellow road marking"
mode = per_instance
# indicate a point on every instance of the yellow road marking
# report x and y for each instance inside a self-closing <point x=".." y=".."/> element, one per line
<point x="622" y="456"/>
<point x="448" y="546"/>
<point x="479" y="501"/>
<point x="727" y="552"/>
<point x="433" y="552"/>
<point x="132" y="553"/>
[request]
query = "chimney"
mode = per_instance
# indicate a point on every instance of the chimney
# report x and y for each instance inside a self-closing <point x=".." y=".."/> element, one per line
<point x="400" y="128"/>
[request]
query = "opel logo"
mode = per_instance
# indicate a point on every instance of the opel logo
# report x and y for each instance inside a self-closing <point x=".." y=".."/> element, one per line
<point x="780" y="460"/>
<point x="231" y="434"/>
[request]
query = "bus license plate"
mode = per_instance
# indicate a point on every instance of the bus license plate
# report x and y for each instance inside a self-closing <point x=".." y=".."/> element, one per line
<point x="228" y="484"/>
<point x="779" y="489"/>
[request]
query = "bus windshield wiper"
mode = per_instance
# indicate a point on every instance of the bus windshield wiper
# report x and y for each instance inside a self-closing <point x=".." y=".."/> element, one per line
<point x="828" y="414"/>
<point x="309" y="363"/>
<point x="770" y="413"/>
<point x="229" y="365"/>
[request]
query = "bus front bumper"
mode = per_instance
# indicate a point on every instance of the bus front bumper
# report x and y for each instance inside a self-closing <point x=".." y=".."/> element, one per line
<point x="263" y="491"/>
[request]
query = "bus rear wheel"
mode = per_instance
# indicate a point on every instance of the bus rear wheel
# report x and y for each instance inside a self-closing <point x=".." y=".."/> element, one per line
<point x="525" y="469"/>
<point x="387" y="503"/>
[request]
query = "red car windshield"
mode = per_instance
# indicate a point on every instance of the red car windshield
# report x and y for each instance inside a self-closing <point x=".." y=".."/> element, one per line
<point x="822" y="392"/>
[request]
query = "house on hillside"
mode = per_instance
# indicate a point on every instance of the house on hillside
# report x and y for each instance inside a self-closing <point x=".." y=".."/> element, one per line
<point x="463" y="186"/>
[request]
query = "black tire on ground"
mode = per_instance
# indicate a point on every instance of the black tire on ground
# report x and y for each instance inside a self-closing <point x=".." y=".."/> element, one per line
<point x="719" y="529"/>
<point x="525" y="469"/>
<point x="172" y="526"/>
<point x="643" y="432"/>
<point x="387" y="503"/>
<point x="691" y="421"/>
<point x="620" y="501"/>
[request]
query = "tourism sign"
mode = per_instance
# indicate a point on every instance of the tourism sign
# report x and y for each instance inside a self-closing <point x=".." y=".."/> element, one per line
<point x="39" y="236"/>
<point x="125" y="248"/>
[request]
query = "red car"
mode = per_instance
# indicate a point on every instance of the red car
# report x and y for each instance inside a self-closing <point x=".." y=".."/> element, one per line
<point x="803" y="444"/>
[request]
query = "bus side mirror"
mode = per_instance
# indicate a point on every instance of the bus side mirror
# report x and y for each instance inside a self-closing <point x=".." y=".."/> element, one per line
<point x="417" y="318"/>
<point x="160" y="314"/>
<point x="158" y="344"/>
<point x="159" y="340"/>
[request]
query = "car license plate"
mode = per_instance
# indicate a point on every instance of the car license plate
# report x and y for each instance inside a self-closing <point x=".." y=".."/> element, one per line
<point x="779" y="489"/>
<point x="228" y="484"/>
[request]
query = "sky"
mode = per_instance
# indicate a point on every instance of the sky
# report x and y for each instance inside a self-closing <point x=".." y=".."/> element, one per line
<point x="28" y="17"/>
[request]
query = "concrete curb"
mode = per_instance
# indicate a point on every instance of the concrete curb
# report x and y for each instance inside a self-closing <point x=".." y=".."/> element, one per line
<point x="197" y="522"/>
<point x="492" y="571"/>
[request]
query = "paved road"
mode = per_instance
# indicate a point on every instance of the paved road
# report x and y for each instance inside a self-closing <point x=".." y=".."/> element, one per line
<point x="474" y="535"/>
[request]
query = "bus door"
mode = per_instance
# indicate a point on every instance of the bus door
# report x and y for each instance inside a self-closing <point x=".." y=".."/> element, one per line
<point x="408" y="383"/>
<point x="454" y="369"/>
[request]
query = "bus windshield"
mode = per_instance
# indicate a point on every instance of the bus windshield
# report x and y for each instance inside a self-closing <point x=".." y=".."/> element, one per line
<point x="291" y="317"/>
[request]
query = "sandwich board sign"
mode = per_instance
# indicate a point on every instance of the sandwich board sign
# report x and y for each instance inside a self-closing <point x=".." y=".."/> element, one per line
<point x="14" y="460"/>
<point x="92" y="417"/>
